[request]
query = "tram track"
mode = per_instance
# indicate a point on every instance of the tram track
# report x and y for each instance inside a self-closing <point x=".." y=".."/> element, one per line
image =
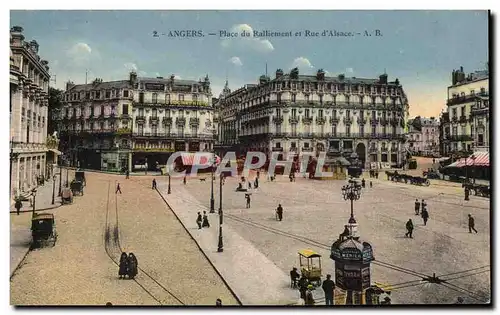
<point x="113" y="248"/>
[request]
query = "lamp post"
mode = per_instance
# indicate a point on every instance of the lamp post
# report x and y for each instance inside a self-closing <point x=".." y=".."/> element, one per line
<point x="67" y="174"/>
<point x="60" y="181"/>
<point x="33" y="193"/>
<point x="169" y="191"/>
<point x="54" y="188"/>
<point x="220" y="246"/>
<point x="351" y="192"/>
<point x="212" y="201"/>
<point x="473" y="157"/>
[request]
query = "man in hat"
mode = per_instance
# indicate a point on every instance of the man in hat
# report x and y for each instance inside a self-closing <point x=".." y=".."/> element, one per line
<point x="471" y="224"/>
<point x="345" y="233"/>
<point x="417" y="207"/>
<point x="218" y="302"/>
<point x="279" y="212"/>
<point x="294" y="276"/>
<point x="153" y="186"/>
<point x="303" y="283"/>
<point x="409" y="229"/>
<point x="329" y="289"/>
<point x="199" y="220"/>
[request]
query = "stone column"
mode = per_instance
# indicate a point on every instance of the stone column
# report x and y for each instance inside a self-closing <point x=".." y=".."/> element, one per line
<point x="130" y="161"/>
<point x="16" y="124"/>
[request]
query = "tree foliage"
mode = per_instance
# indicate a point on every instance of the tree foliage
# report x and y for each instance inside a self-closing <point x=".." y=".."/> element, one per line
<point x="55" y="104"/>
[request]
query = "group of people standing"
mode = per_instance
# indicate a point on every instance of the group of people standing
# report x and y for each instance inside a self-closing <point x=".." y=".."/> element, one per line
<point x="202" y="221"/>
<point x="306" y="288"/>
<point x="128" y="266"/>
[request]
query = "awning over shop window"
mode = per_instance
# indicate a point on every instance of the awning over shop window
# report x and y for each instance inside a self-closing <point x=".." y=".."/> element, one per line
<point x="57" y="152"/>
<point x="480" y="159"/>
<point x="188" y="159"/>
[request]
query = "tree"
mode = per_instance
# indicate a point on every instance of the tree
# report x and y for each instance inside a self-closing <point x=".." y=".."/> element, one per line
<point x="417" y="123"/>
<point x="55" y="105"/>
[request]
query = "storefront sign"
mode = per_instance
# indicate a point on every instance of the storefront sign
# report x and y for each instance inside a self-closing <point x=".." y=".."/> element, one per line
<point x="155" y="87"/>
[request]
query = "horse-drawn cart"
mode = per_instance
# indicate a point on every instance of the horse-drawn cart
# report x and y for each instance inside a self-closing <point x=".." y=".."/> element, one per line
<point x="76" y="187"/>
<point x="43" y="229"/>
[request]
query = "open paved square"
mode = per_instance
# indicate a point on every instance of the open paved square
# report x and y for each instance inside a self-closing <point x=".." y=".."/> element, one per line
<point x="315" y="213"/>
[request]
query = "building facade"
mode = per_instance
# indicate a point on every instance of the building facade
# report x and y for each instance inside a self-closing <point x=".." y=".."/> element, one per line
<point x="316" y="113"/>
<point x="465" y="127"/>
<point x="29" y="83"/>
<point x="423" y="140"/>
<point x="135" y="123"/>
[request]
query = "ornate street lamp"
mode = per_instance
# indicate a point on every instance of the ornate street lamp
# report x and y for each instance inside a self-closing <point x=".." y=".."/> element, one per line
<point x="220" y="246"/>
<point x="351" y="192"/>
<point x="473" y="157"/>
<point x="212" y="201"/>
<point x="33" y="193"/>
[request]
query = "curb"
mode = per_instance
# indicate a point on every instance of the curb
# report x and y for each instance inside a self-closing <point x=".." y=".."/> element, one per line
<point x="19" y="264"/>
<point x="36" y="210"/>
<point x="108" y="172"/>
<point x="201" y="250"/>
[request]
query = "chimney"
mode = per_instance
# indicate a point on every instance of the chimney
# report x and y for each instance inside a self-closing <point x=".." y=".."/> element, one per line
<point x="397" y="82"/>
<point x="453" y="77"/>
<point x="341" y="77"/>
<point x="17" y="37"/>
<point x="159" y="77"/>
<point x="133" y="77"/>
<point x="69" y="85"/>
<point x="172" y="77"/>
<point x="320" y="75"/>
<point x="34" y="46"/>
<point x="279" y="73"/>
<point x="383" y="79"/>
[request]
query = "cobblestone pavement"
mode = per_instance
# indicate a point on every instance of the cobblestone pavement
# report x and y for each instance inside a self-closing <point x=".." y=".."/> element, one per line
<point x="77" y="271"/>
<point x="316" y="210"/>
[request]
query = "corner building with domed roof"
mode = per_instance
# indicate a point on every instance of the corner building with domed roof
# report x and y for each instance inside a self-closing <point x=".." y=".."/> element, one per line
<point x="315" y="113"/>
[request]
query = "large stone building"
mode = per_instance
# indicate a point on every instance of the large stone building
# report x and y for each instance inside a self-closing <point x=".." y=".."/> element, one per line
<point x="315" y="113"/>
<point x="423" y="137"/>
<point x="29" y="83"/>
<point x="132" y="123"/>
<point x="465" y="125"/>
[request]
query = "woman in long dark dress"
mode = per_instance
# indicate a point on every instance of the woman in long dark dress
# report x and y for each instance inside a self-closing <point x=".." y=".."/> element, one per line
<point x="122" y="271"/>
<point x="132" y="266"/>
<point x="205" y="220"/>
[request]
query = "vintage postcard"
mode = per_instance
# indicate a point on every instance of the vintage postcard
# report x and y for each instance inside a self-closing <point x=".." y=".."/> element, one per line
<point x="240" y="158"/>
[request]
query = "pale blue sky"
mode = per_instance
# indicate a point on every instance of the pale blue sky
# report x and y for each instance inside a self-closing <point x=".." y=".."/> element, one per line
<point x="421" y="48"/>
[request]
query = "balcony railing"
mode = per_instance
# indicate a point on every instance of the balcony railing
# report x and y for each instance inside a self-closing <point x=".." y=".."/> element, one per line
<point x="374" y="121"/>
<point x="372" y="149"/>
<point x="307" y="120"/>
<point x="278" y="119"/>
<point x="334" y="120"/>
<point x="459" y="138"/>
<point x="463" y="119"/>
<point x="154" y="119"/>
<point x="320" y="120"/>
<point x="465" y="99"/>
<point x="167" y="121"/>
<point x="277" y="149"/>
<point x="180" y="121"/>
<point x="194" y="121"/>
<point x="140" y="118"/>
<point x="308" y="149"/>
<point x="293" y="120"/>
<point x="361" y="120"/>
<point x="347" y="120"/>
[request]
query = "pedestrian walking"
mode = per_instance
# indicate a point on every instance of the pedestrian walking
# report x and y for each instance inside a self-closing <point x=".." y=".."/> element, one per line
<point x="133" y="266"/>
<point x="309" y="300"/>
<point x="294" y="277"/>
<point x="424" y="205"/>
<point x="417" y="207"/>
<point x="199" y="220"/>
<point x="18" y="205"/>
<point x="118" y="189"/>
<point x="425" y="216"/>
<point x="279" y="212"/>
<point x="363" y="183"/>
<point x="123" y="267"/>
<point x="329" y="289"/>
<point x="205" y="220"/>
<point x="249" y="185"/>
<point x="127" y="174"/>
<point x="247" y="196"/>
<point x="371" y="184"/>
<point x="409" y="229"/>
<point x="376" y="175"/>
<point x="153" y="186"/>
<point x="184" y="180"/>
<point x="471" y="224"/>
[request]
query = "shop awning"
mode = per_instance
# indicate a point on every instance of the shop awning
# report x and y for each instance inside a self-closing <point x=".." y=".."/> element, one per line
<point x="476" y="159"/>
<point x="57" y="152"/>
<point x="188" y="159"/>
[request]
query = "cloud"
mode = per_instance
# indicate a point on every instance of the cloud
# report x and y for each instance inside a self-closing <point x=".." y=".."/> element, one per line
<point x="80" y="53"/>
<point x="130" y="66"/>
<point x="302" y="63"/>
<point x="236" y="61"/>
<point x="249" y="42"/>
